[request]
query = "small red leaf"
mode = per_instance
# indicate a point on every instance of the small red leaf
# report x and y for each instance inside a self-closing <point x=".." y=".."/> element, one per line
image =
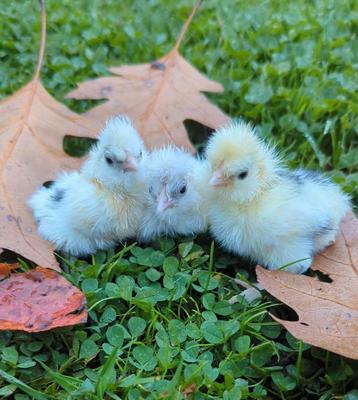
<point x="5" y="269"/>
<point x="39" y="300"/>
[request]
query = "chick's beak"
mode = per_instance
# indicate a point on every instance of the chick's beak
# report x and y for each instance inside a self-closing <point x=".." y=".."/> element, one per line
<point x="130" y="163"/>
<point x="218" y="179"/>
<point x="164" y="201"/>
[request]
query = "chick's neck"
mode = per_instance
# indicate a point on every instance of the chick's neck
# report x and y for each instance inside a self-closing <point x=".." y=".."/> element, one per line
<point x="118" y="192"/>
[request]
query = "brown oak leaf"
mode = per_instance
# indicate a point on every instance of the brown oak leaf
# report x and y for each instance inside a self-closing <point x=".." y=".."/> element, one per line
<point x="157" y="96"/>
<point x="32" y="127"/>
<point x="327" y="311"/>
<point x="42" y="300"/>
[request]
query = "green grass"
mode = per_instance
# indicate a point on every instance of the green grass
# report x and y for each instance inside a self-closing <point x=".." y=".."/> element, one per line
<point x="291" y="68"/>
<point x="160" y="323"/>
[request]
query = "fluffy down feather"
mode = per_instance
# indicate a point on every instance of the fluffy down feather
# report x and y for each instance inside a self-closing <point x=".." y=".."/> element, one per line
<point x="260" y="209"/>
<point x="174" y="201"/>
<point x="100" y="205"/>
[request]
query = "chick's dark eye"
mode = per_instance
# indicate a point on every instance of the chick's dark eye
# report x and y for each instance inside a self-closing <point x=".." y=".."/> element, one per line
<point x="182" y="189"/>
<point x="243" y="174"/>
<point x="109" y="160"/>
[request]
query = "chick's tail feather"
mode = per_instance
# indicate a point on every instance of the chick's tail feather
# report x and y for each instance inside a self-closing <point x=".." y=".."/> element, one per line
<point x="40" y="202"/>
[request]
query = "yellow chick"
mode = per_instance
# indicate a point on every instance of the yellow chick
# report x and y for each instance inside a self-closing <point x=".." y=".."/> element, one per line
<point x="261" y="210"/>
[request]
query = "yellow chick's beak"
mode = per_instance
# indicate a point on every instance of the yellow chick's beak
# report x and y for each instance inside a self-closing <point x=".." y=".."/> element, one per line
<point x="218" y="179"/>
<point x="130" y="163"/>
<point x="164" y="201"/>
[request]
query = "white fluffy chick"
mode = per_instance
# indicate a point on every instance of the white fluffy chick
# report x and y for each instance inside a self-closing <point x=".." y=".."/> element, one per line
<point x="174" y="202"/>
<point x="101" y="204"/>
<point x="263" y="211"/>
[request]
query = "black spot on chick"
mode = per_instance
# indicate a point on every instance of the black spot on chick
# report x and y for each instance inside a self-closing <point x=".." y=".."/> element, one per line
<point x="48" y="184"/>
<point x="313" y="176"/>
<point x="295" y="176"/>
<point x="58" y="195"/>
<point x="324" y="229"/>
<point x="300" y="176"/>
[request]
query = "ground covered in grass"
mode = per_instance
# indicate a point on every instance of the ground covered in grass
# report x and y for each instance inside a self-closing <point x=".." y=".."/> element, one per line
<point x="161" y="325"/>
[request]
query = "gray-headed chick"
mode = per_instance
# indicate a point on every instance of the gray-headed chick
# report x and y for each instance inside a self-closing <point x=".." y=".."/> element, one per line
<point x="174" y="202"/>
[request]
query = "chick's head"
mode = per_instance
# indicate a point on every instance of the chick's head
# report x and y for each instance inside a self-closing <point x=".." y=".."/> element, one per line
<point x="118" y="152"/>
<point x="171" y="190"/>
<point x="242" y="165"/>
<point x="121" y="145"/>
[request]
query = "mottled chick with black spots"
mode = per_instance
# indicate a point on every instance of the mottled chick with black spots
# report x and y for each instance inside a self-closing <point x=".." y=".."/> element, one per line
<point x="101" y="204"/>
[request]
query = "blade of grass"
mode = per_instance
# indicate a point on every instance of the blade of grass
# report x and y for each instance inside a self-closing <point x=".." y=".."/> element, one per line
<point x="35" y="394"/>
<point x="105" y="374"/>
<point x="68" y="383"/>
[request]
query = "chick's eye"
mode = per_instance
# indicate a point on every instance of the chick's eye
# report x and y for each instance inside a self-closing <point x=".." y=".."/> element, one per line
<point x="182" y="189"/>
<point x="109" y="160"/>
<point x="243" y="174"/>
<point x="140" y="154"/>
